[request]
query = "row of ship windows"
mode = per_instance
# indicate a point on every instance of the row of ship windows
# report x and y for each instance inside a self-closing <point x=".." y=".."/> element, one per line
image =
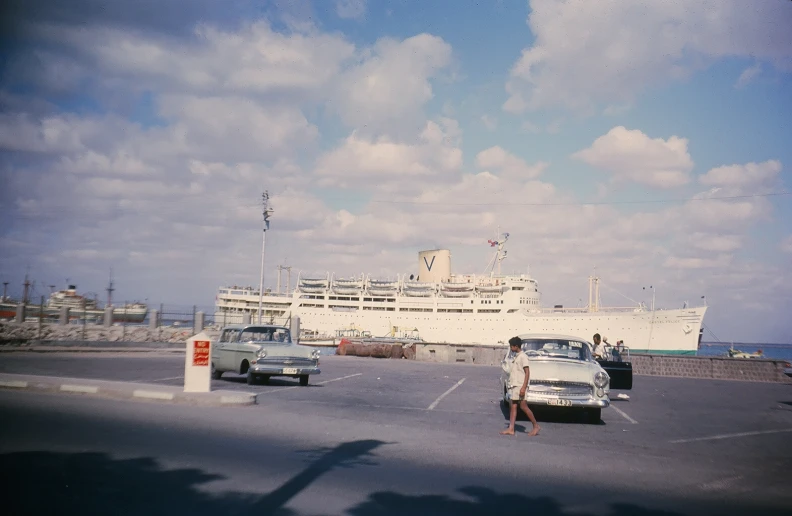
<point x="391" y="309"/>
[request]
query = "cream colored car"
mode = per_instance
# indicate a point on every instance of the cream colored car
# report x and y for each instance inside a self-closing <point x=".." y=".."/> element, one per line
<point x="563" y="373"/>
<point x="261" y="351"/>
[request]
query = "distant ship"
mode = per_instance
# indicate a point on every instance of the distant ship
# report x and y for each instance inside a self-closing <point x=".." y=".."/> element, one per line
<point x="442" y="307"/>
<point x="80" y="307"/>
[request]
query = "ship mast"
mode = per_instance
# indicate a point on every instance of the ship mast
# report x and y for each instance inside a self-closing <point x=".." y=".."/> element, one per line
<point x="266" y="210"/>
<point x="500" y="253"/>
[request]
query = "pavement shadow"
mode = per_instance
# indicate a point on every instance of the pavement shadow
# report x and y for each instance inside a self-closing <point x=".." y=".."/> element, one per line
<point x="481" y="501"/>
<point x="94" y="483"/>
<point x="552" y="415"/>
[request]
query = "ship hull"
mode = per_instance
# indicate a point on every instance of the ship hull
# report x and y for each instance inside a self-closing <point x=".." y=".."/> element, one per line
<point x="661" y="331"/>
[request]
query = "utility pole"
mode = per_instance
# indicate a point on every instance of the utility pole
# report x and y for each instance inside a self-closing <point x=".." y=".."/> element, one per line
<point x="265" y="211"/>
<point x="25" y="292"/>
<point x="110" y="289"/>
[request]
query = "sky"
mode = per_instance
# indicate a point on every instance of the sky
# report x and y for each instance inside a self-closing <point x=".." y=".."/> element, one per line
<point x="645" y="141"/>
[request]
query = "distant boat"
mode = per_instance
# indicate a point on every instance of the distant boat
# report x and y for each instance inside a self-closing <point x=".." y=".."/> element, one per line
<point x="80" y="307"/>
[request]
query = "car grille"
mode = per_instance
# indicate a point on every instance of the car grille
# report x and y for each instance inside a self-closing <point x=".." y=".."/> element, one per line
<point x="287" y="361"/>
<point x="549" y="388"/>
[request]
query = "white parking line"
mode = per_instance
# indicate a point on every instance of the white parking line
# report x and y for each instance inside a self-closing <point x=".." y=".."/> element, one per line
<point x="165" y="379"/>
<point x="624" y="415"/>
<point x="336" y="379"/>
<point x="317" y="383"/>
<point x="729" y="436"/>
<point x="446" y="393"/>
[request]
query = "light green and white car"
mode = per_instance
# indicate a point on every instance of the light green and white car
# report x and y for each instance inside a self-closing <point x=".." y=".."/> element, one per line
<point x="261" y="351"/>
<point x="563" y="373"/>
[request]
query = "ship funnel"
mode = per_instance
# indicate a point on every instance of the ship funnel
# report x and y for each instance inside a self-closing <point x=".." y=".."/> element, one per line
<point x="434" y="266"/>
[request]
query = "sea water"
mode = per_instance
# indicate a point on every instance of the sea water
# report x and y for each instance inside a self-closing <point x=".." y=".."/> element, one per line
<point x="771" y="351"/>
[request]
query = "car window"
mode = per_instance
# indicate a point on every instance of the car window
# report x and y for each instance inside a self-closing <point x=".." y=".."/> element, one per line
<point x="273" y="335"/>
<point x="556" y="348"/>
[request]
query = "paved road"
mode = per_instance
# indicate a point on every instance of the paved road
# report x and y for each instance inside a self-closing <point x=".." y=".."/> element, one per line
<point x="362" y="439"/>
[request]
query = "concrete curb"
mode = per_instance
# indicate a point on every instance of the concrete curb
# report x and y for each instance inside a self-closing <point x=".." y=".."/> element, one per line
<point x="124" y="390"/>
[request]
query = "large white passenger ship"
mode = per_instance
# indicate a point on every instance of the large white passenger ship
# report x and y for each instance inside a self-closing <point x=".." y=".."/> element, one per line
<point x="440" y="307"/>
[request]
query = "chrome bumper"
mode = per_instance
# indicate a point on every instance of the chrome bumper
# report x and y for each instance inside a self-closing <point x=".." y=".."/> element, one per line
<point x="278" y="370"/>
<point x="567" y="402"/>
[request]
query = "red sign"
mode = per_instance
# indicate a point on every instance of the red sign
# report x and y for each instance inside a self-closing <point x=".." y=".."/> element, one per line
<point x="201" y="353"/>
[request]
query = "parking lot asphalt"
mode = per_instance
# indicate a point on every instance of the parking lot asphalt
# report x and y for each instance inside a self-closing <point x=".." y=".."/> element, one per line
<point x="460" y="396"/>
<point x="678" y="442"/>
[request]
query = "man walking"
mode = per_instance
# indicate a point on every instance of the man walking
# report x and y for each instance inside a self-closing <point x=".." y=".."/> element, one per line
<point x="519" y="376"/>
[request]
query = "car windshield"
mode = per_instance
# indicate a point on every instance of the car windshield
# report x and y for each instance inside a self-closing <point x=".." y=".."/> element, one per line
<point x="273" y="335"/>
<point x="556" y="348"/>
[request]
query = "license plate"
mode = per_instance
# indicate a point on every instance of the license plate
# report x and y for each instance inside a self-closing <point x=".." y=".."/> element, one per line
<point x="289" y="370"/>
<point x="560" y="403"/>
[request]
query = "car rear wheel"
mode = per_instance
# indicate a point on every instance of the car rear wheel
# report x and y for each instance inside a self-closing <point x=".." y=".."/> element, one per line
<point x="304" y="380"/>
<point x="265" y="379"/>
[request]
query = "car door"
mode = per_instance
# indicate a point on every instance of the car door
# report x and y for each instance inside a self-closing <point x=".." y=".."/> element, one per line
<point x="250" y="342"/>
<point x="226" y="351"/>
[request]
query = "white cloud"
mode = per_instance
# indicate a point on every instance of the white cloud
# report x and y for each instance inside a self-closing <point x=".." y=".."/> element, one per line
<point x="393" y="165"/>
<point x="675" y="262"/>
<point x="742" y="176"/>
<point x="491" y="123"/>
<point x="609" y="51"/>
<point x="531" y="127"/>
<point x="391" y="83"/>
<point x="630" y="155"/>
<point x="715" y="242"/>
<point x="235" y="128"/>
<point x="350" y="8"/>
<point x="786" y="244"/>
<point x="255" y="59"/>
<point x="508" y="165"/>
<point x="748" y="75"/>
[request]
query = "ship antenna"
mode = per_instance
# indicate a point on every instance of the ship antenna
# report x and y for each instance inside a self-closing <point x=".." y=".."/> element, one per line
<point x="265" y="210"/>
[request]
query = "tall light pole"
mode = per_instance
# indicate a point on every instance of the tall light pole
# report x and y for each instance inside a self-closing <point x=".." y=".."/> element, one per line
<point x="266" y="210"/>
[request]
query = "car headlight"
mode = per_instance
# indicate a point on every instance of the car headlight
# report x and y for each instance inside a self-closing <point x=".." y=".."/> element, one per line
<point x="315" y="354"/>
<point x="601" y="379"/>
<point x="261" y="353"/>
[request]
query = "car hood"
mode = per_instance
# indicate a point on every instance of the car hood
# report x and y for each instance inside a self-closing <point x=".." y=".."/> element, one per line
<point x="287" y="350"/>
<point x="559" y="369"/>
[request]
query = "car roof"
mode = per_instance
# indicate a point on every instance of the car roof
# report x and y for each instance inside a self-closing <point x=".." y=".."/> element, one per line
<point x="246" y="326"/>
<point x="558" y="336"/>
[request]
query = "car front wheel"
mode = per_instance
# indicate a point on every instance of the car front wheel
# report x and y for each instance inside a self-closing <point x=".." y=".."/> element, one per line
<point x="594" y="415"/>
<point x="215" y="373"/>
<point x="252" y="379"/>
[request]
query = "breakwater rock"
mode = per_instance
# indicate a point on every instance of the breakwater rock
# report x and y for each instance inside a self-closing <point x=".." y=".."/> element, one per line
<point x="27" y="333"/>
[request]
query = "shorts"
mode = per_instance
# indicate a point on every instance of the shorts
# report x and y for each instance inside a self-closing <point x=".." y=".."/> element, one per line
<point x="514" y="393"/>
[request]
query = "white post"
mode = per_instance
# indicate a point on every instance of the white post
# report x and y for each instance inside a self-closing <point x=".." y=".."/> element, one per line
<point x="261" y="280"/>
<point x="197" y="364"/>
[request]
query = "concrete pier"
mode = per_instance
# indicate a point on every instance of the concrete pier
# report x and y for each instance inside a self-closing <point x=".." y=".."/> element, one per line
<point x="153" y="319"/>
<point x="108" y="316"/>
<point x="20" y="313"/>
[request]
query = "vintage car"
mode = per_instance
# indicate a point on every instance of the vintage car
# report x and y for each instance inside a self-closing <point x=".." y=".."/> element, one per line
<point x="563" y="373"/>
<point x="262" y="351"/>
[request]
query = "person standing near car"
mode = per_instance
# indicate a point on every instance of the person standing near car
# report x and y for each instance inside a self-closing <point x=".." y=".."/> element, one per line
<point x="599" y="348"/>
<point x="519" y="376"/>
